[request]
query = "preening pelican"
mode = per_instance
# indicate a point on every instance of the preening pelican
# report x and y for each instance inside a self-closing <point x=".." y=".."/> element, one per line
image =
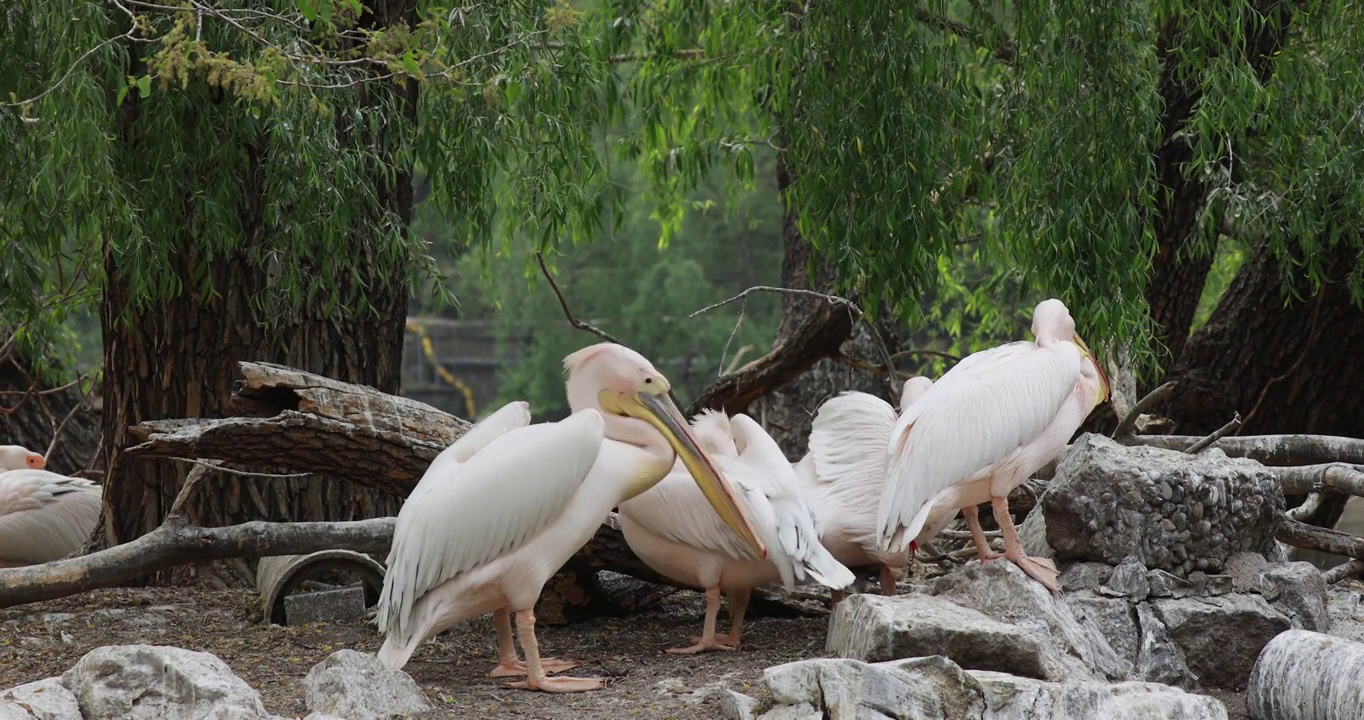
<point x="671" y="528"/>
<point x="506" y="505"/>
<point x="844" y="474"/>
<point x="983" y="428"/>
<point x="43" y="516"/>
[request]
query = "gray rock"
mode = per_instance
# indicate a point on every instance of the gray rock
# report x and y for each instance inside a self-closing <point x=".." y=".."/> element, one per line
<point x="1163" y="584"/>
<point x="133" y="682"/>
<point x="1085" y="576"/>
<point x="1113" y="618"/>
<point x="1298" y="590"/>
<point x="1158" y="660"/>
<point x="1032" y="534"/>
<point x="736" y="706"/>
<point x="1245" y="569"/>
<point x="1006" y="594"/>
<point x="1303" y="675"/>
<point x="1219" y="637"/>
<point x="874" y="628"/>
<point x="1129" y="579"/>
<point x="1108" y="501"/>
<point x="44" y="700"/>
<point x="803" y="711"/>
<point x="13" y="711"/>
<point x="339" y="605"/>
<point x="1346" y="609"/>
<point x="917" y="689"/>
<point x="1015" y="698"/>
<point x="357" y="686"/>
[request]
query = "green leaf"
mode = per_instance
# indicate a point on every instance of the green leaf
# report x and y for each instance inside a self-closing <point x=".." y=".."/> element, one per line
<point x="308" y="8"/>
<point x="144" y="86"/>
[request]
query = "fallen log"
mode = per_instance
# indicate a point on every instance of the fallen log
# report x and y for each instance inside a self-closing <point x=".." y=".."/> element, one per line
<point x="176" y="542"/>
<point x="1303" y="675"/>
<point x="1271" y="449"/>
<point x="1310" y="537"/>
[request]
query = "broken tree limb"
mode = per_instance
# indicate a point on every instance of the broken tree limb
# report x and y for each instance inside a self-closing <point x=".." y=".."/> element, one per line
<point x="1128" y="426"/>
<point x="819" y="336"/>
<point x="177" y="542"/>
<point x="1310" y="537"/>
<point x="1272" y="449"/>
<point x="364" y="454"/>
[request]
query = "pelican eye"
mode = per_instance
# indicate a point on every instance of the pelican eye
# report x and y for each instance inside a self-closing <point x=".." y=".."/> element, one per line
<point x="648" y="381"/>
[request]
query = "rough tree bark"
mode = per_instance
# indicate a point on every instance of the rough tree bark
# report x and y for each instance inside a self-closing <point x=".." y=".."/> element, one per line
<point x="178" y="358"/>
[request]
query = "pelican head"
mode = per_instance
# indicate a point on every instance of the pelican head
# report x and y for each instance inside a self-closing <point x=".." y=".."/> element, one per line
<point x="17" y="457"/>
<point x="1051" y="322"/>
<point x="624" y="383"/>
<point x="914" y="389"/>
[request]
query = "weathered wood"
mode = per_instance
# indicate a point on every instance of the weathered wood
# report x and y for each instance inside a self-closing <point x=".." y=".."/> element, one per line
<point x="1272" y="449"/>
<point x="267" y="390"/>
<point x="177" y="543"/>
<point x="819" y="335"/>
<point x="1311" y="537"/>
<point x="1303" y="675"/>
<point x="364" y="454"/>
<point x="1304" y="479"/>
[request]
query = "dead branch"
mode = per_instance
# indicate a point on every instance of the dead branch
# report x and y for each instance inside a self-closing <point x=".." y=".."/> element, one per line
<point x="1352" y="569"/>
<point x="1272" y="449"/>
<point x="851" y="306"/>
<point x="1339" y="477"/>
<point x="1307" y="509"/>
<point x="177" y="543"/>
<point x="1127" y="427"/>
<point x="1232" y="426"/>
<point x="575" y="322"/>
<point x="819" y="336"/>
<point x="1310" y="537"/>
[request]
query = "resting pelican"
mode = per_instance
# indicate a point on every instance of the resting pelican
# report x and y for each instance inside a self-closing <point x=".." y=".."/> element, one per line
<point x="987" y="424"/>
<point x="509" y="503"/>
<point x="844" y="473"/>
<point x="673" y="531"/>
<point x="43" y="516"/>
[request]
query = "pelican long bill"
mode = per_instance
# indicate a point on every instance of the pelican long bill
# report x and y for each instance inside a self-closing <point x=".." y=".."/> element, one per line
<point x="657" y="409"/>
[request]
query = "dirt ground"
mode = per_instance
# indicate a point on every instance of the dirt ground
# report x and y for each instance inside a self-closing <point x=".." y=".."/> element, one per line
<point x="45" y="639"/>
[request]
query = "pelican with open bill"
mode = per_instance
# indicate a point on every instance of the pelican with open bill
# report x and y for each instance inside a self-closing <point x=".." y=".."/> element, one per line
<point x="505" y="506"/>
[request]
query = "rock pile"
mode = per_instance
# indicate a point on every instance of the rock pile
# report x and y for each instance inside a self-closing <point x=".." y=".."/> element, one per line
<point x="135" y="682"/>
<point x="1170" y="510"/>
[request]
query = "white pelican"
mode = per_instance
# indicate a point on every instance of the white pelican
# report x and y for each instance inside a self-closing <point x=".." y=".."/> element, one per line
<point x="509" y="503"/>
<point x="673" y="531"/>
<point x="983" y="428"/>
<point x="844" y="474"/>
<point x="43" y="516"/>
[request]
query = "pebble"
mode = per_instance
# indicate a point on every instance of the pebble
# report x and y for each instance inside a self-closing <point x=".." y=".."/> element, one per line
<point x="1205" y="527"/>
<point x="1180" y="520"/>
<point x="1166" y="492"/>
<point x="1196" y="511"/>
<point x="1168" y="526"/>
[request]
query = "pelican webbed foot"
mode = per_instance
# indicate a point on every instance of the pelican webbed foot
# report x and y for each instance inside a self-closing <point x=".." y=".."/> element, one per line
<point x="517" y="668"/>
<point x="559" y="684"/>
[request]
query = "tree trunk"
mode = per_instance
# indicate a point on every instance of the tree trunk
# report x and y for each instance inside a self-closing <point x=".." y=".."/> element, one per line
<point x="1287" y="367"/>
<point x="178" y="358"/>
<point x="788" y="412"/>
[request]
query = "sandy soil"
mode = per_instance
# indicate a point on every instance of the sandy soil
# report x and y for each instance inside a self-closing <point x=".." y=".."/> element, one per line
<point x="45" y="639"/>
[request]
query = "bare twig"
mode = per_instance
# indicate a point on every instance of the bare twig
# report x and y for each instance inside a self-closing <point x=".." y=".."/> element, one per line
<point x="57" y="433"/>
<point x="1308" y="508"/>
<point x="853" y="309"/>
<point x="1128" y="425"/>
<point x="734" y="361"/>
<point x="575" y="322"/>
<point x="1222" y="432"/>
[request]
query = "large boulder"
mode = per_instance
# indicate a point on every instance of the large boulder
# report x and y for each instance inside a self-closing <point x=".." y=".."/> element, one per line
<point x="1303" y="675"/>
<point x="875" y="628"/>
<point x="43" y="700"/>
<point x="153" y="682"/>
<point x="357" y="686"/>
<point x="1014" y="698"/>
<point x="912" y="689"/>
<point x="1220" y="637"/>
<point x="1169" y="510"/>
